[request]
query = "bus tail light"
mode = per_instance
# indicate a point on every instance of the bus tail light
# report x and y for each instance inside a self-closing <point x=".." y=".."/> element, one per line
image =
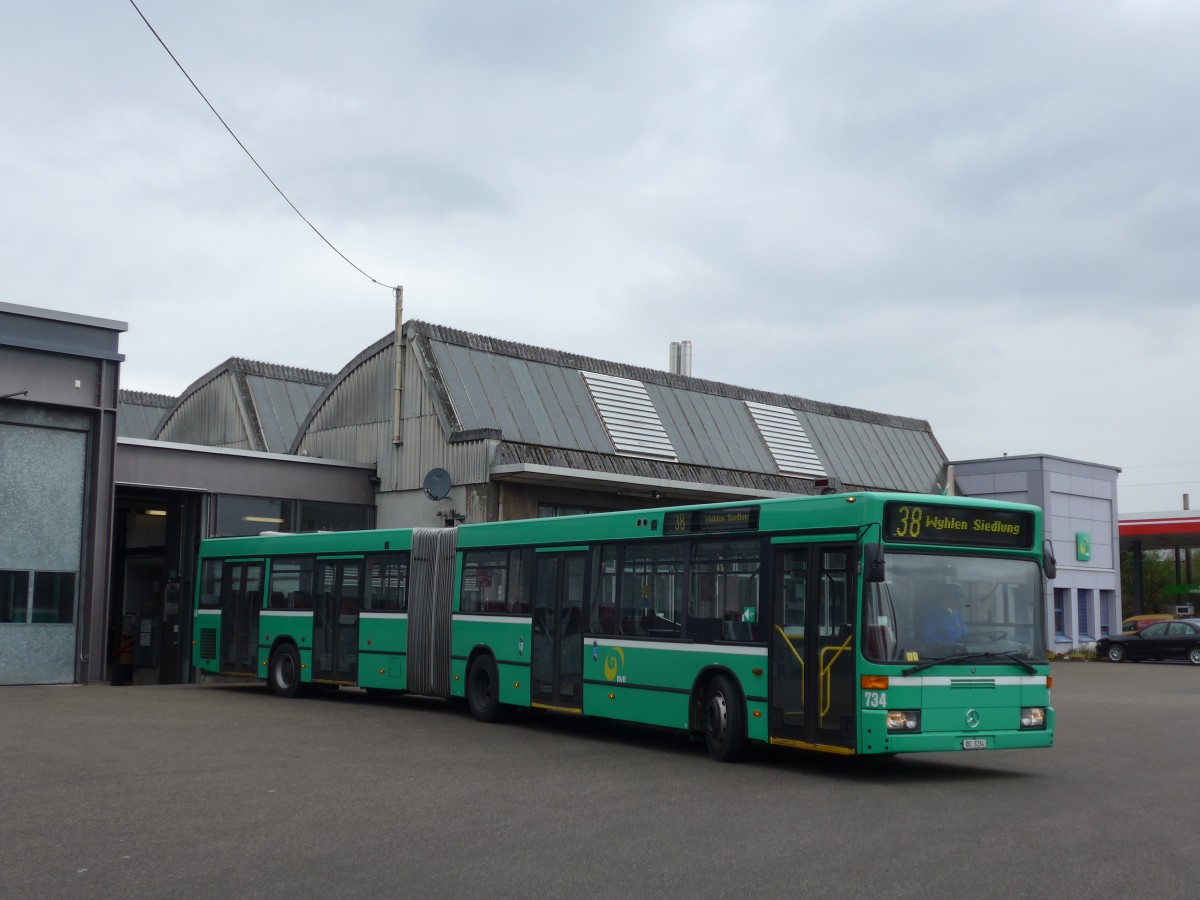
<point x="1033" y="718"/>
<point x="873" y="682"/>
<point x="907" y="721"/>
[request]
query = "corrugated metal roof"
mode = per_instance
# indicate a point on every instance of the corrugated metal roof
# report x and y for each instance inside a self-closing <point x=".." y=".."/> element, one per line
<point x="138" y="412"/>
<point x="244" y="403"/>
<point x="526" y="400"/>
<point x="877" y="455"/>
<point x="538" y="396"/>
<point x="281" y="406"/>
<point x="629" y="416"/>
<point x="708" y="430"/>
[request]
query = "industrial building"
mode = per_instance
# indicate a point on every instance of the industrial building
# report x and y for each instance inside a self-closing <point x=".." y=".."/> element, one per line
<point x="106" y="493"/>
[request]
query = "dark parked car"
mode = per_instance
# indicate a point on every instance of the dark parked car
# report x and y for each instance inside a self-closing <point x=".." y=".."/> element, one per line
<point x="1178" y="639"/>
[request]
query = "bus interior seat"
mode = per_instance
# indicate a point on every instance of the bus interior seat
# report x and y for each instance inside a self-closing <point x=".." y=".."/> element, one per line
<point x="704" y="629"/>
<point x="734" y="629"/>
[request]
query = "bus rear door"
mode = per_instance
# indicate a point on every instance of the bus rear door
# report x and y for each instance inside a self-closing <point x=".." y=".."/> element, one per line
<point x="335" y="620"/>
<point x="556" y="642"/>
<point x="241" y="601"/>
<point x="812" y="688"/>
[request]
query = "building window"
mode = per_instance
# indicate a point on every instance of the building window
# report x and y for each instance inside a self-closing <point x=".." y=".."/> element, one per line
<point x="1084" y="606"/>
<point x="240" y="516"/>
<point x="551" y="510"/>
<point x="1061" y="596"/>
<point x="332" y="517"/>
<point x="51" y="600"/>
<point x="1108" y="601"/>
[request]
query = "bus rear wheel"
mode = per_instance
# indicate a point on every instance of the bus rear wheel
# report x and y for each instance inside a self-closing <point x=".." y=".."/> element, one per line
<point x="724" y="720"/>
<point x="483" y="689"/>
<point x="285" y="671"/>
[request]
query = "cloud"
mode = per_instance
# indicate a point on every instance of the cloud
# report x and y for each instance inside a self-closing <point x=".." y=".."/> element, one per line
<point x="982" y="215"/>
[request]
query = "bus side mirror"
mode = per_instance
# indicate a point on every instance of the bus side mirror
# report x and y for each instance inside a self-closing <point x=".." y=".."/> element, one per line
<point x="1049" y="564"/>
<point x="873" y="563"/>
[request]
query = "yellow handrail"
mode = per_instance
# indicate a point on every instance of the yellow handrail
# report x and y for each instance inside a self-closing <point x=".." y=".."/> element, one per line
<point x="796" y="653"/>
<point x="825" y="680"/>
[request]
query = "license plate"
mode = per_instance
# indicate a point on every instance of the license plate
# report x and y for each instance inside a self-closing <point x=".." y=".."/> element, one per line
<point x="975" y="744"/>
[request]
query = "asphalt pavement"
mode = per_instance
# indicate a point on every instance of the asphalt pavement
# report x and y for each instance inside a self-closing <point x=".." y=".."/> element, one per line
<point x="226" y="791"/>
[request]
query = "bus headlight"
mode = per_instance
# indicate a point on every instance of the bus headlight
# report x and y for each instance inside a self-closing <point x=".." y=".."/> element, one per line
<point x="903" y="720"/>
<point x="1033" y="717"/>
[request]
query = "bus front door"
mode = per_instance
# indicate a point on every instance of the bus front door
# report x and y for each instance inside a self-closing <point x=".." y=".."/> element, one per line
<point x="812" y="689"/>
<point x="556" y="645"/>
<point x="335" y="620"/>
<point x="241" y="600"/>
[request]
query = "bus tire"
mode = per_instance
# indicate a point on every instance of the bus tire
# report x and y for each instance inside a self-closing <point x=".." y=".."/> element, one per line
<point x="284" y="671"/>
<point x="724" y="720"/>
<point x="483" y="689"/>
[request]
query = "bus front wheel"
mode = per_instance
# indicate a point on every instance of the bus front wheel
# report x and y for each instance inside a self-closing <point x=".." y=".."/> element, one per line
<point x="285" y="671"/>
<point x="724" y="720"/>
<point x="483" y="689"/>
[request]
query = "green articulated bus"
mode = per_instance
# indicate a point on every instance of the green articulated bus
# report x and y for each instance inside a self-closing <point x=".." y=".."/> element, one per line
<point x="859" y="623"/>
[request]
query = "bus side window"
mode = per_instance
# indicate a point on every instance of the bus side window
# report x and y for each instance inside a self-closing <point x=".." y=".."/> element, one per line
<point x="519" y="567"/>
<point x="603" y="617"/>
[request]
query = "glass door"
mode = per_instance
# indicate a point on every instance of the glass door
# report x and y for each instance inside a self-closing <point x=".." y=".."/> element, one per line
<point x="241" y="600"/>
<point x="556" y="648"/>
<point x="812" y="690"/>
<point x="335" y="620"/>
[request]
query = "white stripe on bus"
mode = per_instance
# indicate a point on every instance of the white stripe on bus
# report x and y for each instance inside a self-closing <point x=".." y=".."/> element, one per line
<point x="632" y="642"/>
<point x="969" y="681"/>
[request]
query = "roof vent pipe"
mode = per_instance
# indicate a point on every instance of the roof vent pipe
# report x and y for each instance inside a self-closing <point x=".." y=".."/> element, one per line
<point x="681" y="358"/>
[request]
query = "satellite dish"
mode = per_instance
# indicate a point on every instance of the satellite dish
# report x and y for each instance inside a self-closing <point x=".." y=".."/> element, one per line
<point x="436" y="484"/>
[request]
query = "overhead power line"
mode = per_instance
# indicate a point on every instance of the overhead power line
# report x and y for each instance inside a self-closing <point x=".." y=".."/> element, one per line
<point x="278" y="189"/>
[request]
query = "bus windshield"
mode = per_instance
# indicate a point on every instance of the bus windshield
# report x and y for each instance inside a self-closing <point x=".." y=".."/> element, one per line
<point x="935" y="607"/>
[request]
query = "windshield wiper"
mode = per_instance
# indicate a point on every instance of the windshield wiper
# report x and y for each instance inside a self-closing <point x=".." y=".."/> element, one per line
<point x="963" y="657"/>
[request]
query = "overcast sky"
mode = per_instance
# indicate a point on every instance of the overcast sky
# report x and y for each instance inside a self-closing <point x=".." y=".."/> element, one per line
<point x="984" y="215"/>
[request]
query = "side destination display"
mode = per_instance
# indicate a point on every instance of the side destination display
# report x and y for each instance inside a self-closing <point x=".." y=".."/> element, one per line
<point x="933" y="523"/>
<point x="711" y="521"/>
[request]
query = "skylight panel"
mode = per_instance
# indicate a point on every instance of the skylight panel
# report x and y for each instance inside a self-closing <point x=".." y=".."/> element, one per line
<point x="629" y="416"/>
<point x="784" y="436"/>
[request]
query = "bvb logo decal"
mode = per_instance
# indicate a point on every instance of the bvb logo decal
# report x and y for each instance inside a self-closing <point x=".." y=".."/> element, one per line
<point x="613" y="663"/>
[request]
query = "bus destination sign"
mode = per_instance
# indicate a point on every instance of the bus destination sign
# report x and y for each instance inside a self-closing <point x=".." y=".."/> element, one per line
<point x="933" y="523"/>
<point x="711" y="521"/>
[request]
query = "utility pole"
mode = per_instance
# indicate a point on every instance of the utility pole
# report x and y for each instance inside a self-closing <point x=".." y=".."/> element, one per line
<point x="398" y="382"/>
